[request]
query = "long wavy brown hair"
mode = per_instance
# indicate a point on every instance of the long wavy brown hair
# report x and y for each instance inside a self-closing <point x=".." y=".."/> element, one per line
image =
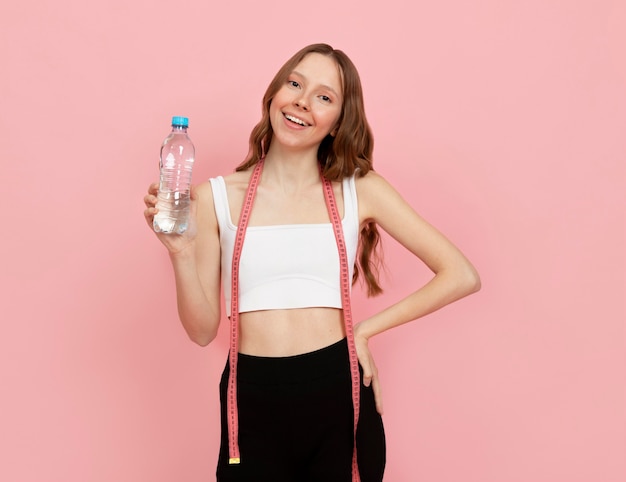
<point x="348" y="152"/>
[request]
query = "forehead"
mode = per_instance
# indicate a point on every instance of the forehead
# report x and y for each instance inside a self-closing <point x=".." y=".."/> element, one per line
<point x="320" y="69"/>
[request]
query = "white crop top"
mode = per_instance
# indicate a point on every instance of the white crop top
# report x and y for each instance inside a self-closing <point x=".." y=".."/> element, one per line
<point x="286" y="266"/>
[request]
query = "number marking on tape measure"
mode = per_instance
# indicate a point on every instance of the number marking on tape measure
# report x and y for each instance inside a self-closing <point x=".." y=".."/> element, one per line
<point x="331" y="204"/>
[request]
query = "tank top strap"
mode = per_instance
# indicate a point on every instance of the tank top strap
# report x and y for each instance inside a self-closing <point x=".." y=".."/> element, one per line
<point x="350" y="204"/>
<point x="220" y="201"/>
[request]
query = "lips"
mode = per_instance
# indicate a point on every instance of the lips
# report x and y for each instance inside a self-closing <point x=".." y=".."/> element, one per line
<point x="295" y="120"/>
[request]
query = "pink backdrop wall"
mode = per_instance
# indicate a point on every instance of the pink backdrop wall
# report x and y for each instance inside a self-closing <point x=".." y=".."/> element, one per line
<point x="501" y="121"/>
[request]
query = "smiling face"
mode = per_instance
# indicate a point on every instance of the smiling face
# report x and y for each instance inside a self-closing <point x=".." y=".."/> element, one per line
<point x="307" y="107"/>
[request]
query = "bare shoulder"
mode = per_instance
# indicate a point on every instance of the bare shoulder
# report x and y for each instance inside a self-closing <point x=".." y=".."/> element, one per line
<point x="237" y="182"/>
<point x="372" y="181"/>
<point x="203" y="194"/>
<point x="236" y="186"/>
<point x="234" y="182"/>
<point x="204" y="190"/>
<point x="376" y="195"/>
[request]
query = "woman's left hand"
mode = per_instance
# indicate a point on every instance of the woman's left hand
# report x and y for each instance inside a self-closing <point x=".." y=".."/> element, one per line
<point x="370" y="372"/>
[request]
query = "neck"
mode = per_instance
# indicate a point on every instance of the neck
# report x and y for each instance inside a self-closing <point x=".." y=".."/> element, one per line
<point x="291" y="170"/>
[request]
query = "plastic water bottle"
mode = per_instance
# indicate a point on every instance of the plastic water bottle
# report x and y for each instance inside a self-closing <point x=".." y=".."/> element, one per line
<point x="177" y="156"/>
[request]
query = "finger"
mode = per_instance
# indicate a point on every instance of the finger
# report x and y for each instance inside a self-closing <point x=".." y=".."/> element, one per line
<point x="367" y="373"/>
<point x="378" y="394"/>
<point x="193" y="211"/>
<point x="193" y="205"/>
<point x="149" y="214"/>
<point x="150" y="200"/>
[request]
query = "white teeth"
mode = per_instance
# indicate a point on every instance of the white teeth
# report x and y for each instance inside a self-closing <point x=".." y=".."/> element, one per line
<point x="296" y="120"/>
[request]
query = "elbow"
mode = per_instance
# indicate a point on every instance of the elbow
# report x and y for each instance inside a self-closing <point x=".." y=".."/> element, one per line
<point x="471" y="282"/>
<point x="200" y="330"/>
<point x="202" y="339"/>
<point x="201" y="335"/>
<point x="463" y="281"/>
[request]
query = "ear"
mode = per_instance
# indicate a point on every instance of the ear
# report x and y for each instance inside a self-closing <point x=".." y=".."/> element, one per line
<point x="333" y="133"/>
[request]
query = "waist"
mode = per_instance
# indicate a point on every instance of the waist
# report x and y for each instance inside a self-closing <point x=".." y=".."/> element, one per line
<point x="313" y="365"/>
<point x="280" y="333"/>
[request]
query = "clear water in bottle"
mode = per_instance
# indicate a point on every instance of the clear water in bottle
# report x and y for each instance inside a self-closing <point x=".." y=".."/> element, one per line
<point x="176" y="164"/>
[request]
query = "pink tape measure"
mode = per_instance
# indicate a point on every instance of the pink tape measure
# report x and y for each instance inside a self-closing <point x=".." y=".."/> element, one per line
<point x="231" y="402"/>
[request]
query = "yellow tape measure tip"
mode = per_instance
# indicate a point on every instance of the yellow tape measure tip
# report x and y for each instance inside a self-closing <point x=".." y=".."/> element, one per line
<point x="234" y="460"/>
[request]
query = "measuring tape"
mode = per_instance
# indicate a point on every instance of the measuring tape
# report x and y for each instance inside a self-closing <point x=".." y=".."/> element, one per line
<point x="231" y="401"/>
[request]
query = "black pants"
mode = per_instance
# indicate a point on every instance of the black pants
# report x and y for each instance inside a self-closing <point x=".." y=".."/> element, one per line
<point x="296" y="421"/>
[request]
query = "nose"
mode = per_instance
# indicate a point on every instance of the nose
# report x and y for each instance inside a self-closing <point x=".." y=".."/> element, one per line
<point x="302" y="103"/>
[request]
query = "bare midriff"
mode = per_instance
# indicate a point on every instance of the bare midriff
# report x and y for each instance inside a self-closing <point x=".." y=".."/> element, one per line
<point x="279" y="333"/>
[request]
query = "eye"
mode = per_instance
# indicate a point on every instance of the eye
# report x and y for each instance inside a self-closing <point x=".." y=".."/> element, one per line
<point x="325" y="98"/>
<point x="293" y="83"/>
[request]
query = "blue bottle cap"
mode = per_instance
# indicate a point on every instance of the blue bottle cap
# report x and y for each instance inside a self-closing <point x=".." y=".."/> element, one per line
<point x="180" y="121"/>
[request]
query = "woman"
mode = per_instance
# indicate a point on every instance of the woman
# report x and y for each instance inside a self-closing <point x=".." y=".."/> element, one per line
<point x="290" y="393"/>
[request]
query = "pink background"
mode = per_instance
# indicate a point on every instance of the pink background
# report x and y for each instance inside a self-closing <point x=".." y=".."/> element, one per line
<point x="503" y="122"/>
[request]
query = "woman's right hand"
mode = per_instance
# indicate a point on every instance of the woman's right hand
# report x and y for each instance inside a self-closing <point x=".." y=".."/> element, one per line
<point x="174" y="243"/>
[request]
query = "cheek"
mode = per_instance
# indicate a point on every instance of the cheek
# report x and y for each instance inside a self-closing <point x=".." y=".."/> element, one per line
<point x="281" y="97"/>
<point x="332" y="118"/>
<point x="274" y="110"/>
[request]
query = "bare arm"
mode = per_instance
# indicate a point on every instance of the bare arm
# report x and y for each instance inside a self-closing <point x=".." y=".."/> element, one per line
<point x="195" y="257"/>
<point x="454" y="276"/>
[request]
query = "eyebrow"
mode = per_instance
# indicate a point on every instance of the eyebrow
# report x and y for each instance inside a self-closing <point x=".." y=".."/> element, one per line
<point x="327" y="87"/>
